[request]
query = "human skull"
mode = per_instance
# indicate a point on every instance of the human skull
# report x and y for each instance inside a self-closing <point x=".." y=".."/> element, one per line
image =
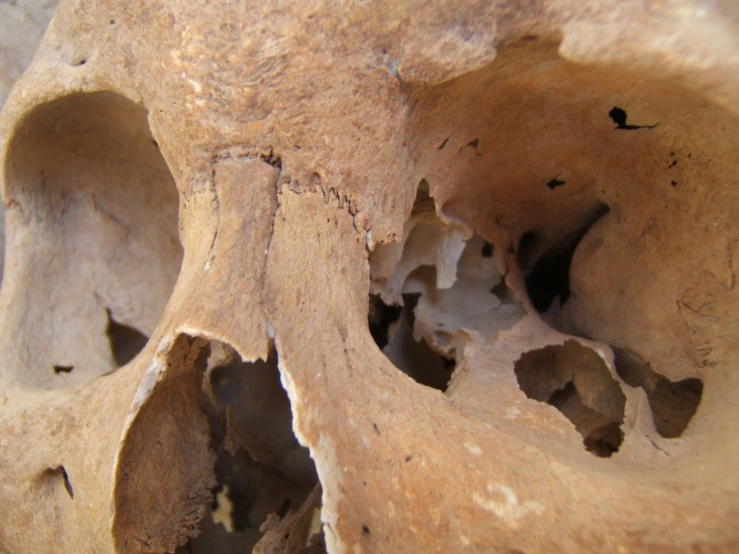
<point x="478" y="257"/>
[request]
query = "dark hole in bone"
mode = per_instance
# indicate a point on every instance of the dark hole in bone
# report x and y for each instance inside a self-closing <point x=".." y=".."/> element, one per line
<point x="449" y="363"/>
<point x="272" y="159"/>
<point x="574" y="379"/>
<point x="284" y="507"/>
<point x="528" y="245"/>
<point x="59" y="369"/>
<point x="263" y="473"/>
<point x="381" y="317"/>
<point x="673" y="404"/>
<point x="57" y="474"/>
<point x="414" y="358"/>
<point x="125" y="341"/>
<point x="549" y="278"/>
<point x="80" y="62"/>
<point x="487" y="250"/>
<point x="555" y="182"/>
<point x="67" y="483"/>
<point x="423" y="203"/>
<point x="619" y="117"/>
<point x="605" y="440"/>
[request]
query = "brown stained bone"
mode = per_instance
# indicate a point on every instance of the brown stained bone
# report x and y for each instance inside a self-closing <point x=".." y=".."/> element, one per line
<point x="356" y="454"/>
<point x="226" y="172"/>
<point x="168" y="426"/>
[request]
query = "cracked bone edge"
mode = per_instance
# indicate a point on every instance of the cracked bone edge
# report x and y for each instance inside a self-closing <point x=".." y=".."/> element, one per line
<point x="324" y="457"/>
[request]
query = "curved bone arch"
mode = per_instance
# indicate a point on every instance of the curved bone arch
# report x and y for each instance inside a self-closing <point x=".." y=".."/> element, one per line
<point x="370" y="277"/>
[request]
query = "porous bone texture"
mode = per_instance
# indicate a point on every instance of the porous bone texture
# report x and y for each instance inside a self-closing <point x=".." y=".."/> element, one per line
<point x="183" y="179"/>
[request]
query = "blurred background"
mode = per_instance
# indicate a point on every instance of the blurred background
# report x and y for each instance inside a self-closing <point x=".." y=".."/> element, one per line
<point x="22" y="24"/>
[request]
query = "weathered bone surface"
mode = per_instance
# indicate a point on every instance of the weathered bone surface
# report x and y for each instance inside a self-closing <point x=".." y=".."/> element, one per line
<point x="372" y="277"/>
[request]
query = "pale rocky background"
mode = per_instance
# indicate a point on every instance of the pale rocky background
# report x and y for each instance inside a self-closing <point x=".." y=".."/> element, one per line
<point x="22" y="24"/>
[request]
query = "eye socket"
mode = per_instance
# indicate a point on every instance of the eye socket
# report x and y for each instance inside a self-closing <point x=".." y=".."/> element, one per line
<point x="93" y="250"/>
<point x="582" y="193"/>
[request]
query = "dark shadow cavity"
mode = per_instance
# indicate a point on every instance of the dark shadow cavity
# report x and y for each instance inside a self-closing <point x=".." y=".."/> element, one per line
<point x="574" y="379"/>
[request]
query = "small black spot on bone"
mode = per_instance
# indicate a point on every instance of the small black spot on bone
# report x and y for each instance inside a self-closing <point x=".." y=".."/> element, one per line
<point x="60" y="473"/>
<point x="673" y="164"/>
<point x="618" y="115"/>
<point x="376" y="428"/>
<point x="555" y="182"/>
<point x="443" y="144"/>
<point x="365" y="530"/>
<point x="67" y="483"/>
<point x="62" y="369"/>
<point x="409" y="457"/>
<point x="673" y="183"/>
